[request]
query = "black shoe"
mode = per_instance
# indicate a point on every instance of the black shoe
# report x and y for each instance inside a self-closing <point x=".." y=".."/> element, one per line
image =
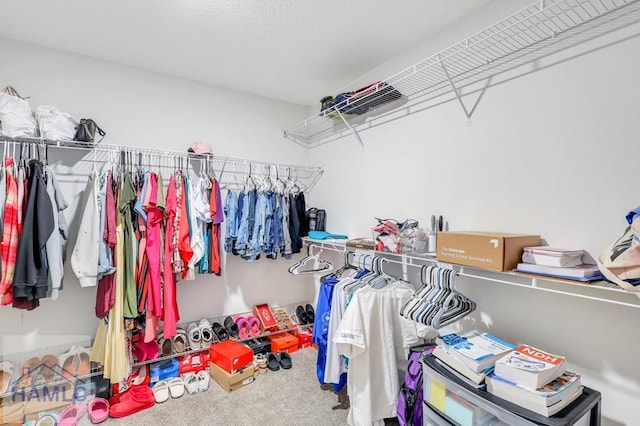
<point x="311" y="314"/>
<point x="285" y="360"/>
<point x="302" y="315"/>
<point x="273" y="362"/>
<point x="220" y="331"/>
<point x="231" y="327"/>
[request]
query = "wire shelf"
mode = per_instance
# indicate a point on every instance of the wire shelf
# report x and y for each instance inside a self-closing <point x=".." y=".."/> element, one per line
<point x="543" y="28"/>
<point x="232" y="173"/>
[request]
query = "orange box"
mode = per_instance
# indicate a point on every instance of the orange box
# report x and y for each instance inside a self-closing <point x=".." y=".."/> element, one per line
<point x="265" y="315"/>
<point x="283" y="342"/>
<point x="230" y="355"/>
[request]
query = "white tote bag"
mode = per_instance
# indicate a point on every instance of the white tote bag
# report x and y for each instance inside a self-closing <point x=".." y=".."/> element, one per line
<point x="16" y="118"/>
<point x="55" y="124"/>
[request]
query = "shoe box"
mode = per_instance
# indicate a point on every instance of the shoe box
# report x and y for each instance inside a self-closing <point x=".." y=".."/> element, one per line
<point x="231" y="382"/>
<point x="230" y="355"/>
<point x="51" y="397"/>
<point x="283" y="342"/>
<point x="266" y="317"/>
<point x="163" y="370"/>
<point x="489" y="250"/>
<point x="12" y="413"/>
<point x="193" y="363"/>
<point x="260" y="345"/>
<point x="304" y="338"/>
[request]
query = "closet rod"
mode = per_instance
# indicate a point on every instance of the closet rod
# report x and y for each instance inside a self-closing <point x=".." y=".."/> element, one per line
<point x="229" y="166"/>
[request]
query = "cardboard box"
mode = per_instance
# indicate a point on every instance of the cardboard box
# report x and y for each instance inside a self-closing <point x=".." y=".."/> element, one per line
<point x="266" y="317"/>
<point x="231" y="382"/>
<point x="489" y="250"/>
<point x="51" y="397"/>
<point x="230" y="355"/>
<point x="283" y="342"/>
<point x="12" y="414"/>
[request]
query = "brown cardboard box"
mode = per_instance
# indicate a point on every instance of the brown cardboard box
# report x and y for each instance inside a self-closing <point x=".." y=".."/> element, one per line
<point x="51" y="397"/>
<point x="12" y="414"/>
<point x="489" y="250"/>
<point x="231" y="382"/>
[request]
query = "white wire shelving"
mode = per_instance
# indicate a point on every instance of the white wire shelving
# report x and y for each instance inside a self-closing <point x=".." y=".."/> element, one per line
<point x="600" y="291"/>
<point x="537" y="31"/>
<point x="230" y="172"/>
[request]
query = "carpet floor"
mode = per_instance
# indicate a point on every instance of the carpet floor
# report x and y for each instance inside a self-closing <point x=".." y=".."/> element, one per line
<point x="281" y="397"/>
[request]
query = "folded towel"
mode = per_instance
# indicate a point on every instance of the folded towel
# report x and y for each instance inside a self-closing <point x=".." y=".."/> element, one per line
<point x="323" y="235"/>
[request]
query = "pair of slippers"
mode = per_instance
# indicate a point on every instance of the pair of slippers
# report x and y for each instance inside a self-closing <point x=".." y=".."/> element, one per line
<point x="133" y="400"/>
<point x="306" y="315"/>
<point x="196" y="382"/>
<point x="173" y="387"/>
<point x="97" y="410"/>
<point x="278" y="360"/>
<point x="173" y="345"/>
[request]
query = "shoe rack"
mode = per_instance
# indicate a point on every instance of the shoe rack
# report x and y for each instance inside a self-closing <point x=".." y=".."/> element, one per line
<point x="289" y="309"/>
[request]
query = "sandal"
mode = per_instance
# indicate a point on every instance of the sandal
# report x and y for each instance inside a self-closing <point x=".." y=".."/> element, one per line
<point x="180" y="341"/>
<point x="254" y="326"/>
<point x="72" y="414"/>
<point x="273" y="363"/>
<point x="194" y="336"/>
<point x="176" y="387"/>
<point x="6" y="374"/>
<point x="203" y="380"/>
<point x="243" y="327"/>
<point x="166" y="345"/>
<point x="161" y="391"/>
<point x="285" y="360"/>
<point x="98" y="410"/>
<point x="220" y="331"/>
<point x="301" y="313"/>
<point x="311" y="314"/>
<point x="232" y="327"/>
<point x="190" y="383"/>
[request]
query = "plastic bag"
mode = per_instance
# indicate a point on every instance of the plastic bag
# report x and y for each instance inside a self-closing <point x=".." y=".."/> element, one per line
<point x="55" y="124"/>
<point x="16" y="118"/>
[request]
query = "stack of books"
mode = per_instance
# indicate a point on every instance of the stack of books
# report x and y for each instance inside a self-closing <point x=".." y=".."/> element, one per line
<point x="471" y="355"/>
<point x="558" y="263"/>
<point x="535" y="380"/>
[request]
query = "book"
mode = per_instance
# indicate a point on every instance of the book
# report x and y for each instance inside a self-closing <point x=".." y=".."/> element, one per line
<point x="476" y="350"/>
<point x="574" y="272"/>
<point x="530" y="367"/>
<point x="464" y="379"/>
<point x="546" y="401"/>
<point x="450" y="360"/>
<point x="552" y="256"/>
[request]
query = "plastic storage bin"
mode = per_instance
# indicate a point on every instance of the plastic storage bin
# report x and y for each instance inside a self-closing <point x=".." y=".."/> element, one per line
<point x="459" y="404"/>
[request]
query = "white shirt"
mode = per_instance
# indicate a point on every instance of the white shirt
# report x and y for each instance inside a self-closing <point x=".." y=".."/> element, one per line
<point x="376" y="339"/>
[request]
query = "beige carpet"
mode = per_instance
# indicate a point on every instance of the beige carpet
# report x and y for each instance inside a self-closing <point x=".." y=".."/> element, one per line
<point x="284" y="397"/>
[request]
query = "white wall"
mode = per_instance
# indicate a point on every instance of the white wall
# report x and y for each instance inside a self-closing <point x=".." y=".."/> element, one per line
<point x="550" y="153"/>
<point x="151" y="110"/>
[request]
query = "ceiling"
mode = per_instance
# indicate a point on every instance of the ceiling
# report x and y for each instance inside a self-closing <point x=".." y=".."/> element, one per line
<point x="292" y="50"/>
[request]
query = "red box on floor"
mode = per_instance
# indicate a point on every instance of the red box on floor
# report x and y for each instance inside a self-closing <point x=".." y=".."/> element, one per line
<point x="285" y="342"/>
<point x="230" y="355"/>
<point x="267" y="320"/>
<point x="304" y="338"/>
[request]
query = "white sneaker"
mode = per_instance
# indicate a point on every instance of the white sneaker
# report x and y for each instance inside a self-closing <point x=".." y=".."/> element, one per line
<point x="203" y="380"/>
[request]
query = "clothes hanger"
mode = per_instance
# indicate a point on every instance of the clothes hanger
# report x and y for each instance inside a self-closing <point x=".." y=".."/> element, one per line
<point x="311" y="257"/>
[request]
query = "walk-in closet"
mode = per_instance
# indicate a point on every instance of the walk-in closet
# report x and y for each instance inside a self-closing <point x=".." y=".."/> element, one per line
<point x="319" y="213"/>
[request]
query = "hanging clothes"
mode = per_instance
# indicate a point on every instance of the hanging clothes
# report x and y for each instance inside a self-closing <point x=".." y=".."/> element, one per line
<point x="375" y="338"/>
<point x="217" y="217"/>
<point x="170" y="312"/>
<point x="127" y="199"/>
<point x="31" y="275"/>
<point x="57" y="242"/>
<point x="9" y="235"/>
<point x="105" y="295"/>
<point x="86" y="252"/>
<point x="154" y="207"/>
